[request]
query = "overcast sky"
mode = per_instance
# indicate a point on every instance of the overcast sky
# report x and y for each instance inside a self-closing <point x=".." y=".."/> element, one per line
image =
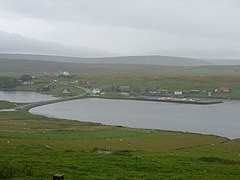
<point x="192" y="28"/>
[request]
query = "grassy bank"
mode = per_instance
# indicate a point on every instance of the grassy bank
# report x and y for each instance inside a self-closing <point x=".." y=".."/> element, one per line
<point x="6" y="104"/>
<point x="36" y="147"/>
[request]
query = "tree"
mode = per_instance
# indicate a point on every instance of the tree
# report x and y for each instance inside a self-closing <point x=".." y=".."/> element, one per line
<point x="8" y="83"/>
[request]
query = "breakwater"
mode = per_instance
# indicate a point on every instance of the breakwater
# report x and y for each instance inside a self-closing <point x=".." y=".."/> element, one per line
<point x="27" y="107"/>
<point x="169" y="100"/>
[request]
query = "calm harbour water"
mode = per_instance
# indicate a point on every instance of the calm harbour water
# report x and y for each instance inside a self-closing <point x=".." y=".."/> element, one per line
<point x="218" y="119"/>
<point x="24" y="96"/>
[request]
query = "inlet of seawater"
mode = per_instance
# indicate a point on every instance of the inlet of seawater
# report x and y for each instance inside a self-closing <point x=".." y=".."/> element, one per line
<point x="218" y="119"/>
<point x="24" y="96"/>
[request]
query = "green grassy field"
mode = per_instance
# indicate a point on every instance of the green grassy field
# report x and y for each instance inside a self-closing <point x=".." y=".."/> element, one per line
<point x="36" y="147"/>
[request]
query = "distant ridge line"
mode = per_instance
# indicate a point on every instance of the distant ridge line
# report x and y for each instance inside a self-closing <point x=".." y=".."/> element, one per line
<point x="140" y="59"/>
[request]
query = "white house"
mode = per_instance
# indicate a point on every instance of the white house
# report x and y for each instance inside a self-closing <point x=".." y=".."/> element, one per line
<point x="178" y="93"/>
<point x="96" y="91"/>
<point x="209" y="94"/>
<point x="66" y="73"/>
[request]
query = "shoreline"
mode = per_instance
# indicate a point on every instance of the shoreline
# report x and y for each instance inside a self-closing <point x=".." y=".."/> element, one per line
<point x="28" y="107"/>
<point x="154" y="129"/>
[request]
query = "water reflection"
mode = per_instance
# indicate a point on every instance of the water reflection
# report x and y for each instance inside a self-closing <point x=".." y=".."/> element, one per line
<point x="24" y="96"/>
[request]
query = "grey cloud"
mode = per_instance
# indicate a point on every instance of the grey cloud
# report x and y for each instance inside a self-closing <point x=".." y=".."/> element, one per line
<point x="208" y="27"/>
<point x="212" y="19"/>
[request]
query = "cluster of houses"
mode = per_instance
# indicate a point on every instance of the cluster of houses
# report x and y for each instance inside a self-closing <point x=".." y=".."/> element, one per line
<point x="127" y="90"/>
<point x="159" y="91"/>
<point x="124" y="90"/>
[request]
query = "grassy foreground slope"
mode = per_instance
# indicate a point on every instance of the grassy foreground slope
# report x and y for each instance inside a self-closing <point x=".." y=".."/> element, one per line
<point x="36" y="147"/>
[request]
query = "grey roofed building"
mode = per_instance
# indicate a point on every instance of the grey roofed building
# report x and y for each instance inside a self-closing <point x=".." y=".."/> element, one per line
<point x="134" y="88"/>
<point x="66" y="91"/>
<point x="106" y="88"/>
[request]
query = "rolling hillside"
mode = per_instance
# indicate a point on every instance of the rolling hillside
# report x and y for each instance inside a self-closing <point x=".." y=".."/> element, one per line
<point x="15" y="63"/>
<point x="36" y="66"/>
<point x="33" y="66"/>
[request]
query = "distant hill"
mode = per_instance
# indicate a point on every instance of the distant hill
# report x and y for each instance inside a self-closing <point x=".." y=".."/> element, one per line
<point x="38" y="66"/>
<point x="147" y="60"/>
<point x="34" y="66"/>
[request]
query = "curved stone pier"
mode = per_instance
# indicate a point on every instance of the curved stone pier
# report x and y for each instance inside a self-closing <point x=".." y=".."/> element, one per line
<point x="41" y="103"/>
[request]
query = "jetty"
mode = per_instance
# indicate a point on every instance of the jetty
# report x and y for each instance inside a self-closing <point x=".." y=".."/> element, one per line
<point x="164" y="99"/>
